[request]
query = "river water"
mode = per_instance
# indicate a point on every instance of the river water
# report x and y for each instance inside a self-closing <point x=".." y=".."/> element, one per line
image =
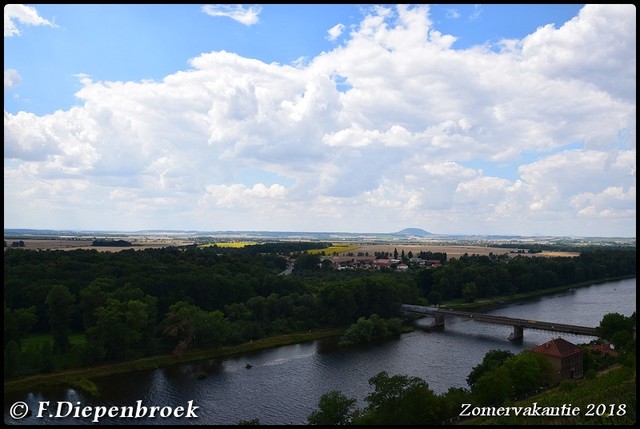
<point x="283" y="385"/>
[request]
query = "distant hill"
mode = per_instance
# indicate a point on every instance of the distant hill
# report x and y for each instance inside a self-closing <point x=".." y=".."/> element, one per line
<point x="414" y="231"/>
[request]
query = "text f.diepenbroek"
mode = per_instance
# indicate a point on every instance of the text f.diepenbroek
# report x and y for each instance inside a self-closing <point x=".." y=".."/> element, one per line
<point x="68" y="409"/>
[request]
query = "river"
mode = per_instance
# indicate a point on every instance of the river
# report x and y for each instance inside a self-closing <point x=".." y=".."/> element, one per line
<point x="284" y="384"/>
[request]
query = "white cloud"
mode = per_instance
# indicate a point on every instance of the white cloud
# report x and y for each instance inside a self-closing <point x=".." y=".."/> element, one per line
<point x="15" y="14"/>
<point x="454" y="141"/>
<point x="477" y="11"/>
<point x="614" y="201"/>
<point x="453" y="14"/>
<point x="11" y="78"/>
<point x="238" y="195"/>
<point x="244" y="15"/>
<point x="334" y="32"/>
<point x="590" y="48"/>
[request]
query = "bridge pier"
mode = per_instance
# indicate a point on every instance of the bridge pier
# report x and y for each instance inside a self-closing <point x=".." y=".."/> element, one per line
<point x="517" y="334"/>
<point x="437" y="324"/>
<point x="438" y="321"/>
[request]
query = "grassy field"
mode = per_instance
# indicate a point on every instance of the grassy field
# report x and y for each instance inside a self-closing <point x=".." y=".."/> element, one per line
<point x="36" y="341"/>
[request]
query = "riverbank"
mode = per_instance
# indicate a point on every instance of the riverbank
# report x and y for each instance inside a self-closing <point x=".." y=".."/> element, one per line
<point x="502" y="301"/>
<point x="80" y="378"/>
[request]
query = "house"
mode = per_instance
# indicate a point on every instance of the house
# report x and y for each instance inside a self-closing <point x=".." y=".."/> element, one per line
<point x="603" y="349"/>
<point x="381" y="263"/>
<point x="565" y="358"/>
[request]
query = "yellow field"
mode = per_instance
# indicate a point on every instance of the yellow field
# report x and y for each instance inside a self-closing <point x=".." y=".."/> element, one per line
<point x="337" y="249"/>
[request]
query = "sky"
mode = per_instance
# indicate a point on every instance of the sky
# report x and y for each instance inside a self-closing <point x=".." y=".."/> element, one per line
<point x="457" y="119"/>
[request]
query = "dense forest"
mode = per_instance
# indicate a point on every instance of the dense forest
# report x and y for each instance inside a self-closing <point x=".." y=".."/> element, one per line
<point x="115" y="306"/>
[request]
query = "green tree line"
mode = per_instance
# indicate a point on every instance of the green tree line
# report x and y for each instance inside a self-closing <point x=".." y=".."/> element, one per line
<point x="112" y="306"/>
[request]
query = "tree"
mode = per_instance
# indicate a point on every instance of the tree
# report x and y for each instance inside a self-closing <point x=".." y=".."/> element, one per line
<point x="306" y="262"/>
<point x="614" y="322"/>
<point x="194" y="327"/>
<point x="527" y="371"/>
<point x="492" y="360"/>
<point x="11" y="359"/>
<point x="327" y="264"/>
<point x="434" y="297"/>
<point x="46" y="357"/>
<point x="493" y="388"/>
<point x="92" y="297"/>
<point x="18" y="322"/>
<point x="469" y="292"/>
<point x="621" y="340"/>
<point x="121" y="329"/>
<point x="60" y="303"/>
<point x="402" y="400"/>
<point x="359" y="332"/>
<point x="334" y="408"/>
<point x="395" y="253"/>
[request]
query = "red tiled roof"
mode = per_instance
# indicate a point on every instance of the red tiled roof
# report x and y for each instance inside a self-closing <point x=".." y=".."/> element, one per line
<point x="604" y="348"/>
<point x="557" y="348"/>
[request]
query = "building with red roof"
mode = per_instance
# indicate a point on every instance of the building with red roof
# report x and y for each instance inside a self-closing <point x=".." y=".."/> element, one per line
<point x="565" y="358"/>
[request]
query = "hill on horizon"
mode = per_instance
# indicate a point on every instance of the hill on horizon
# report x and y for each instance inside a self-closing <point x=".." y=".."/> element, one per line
<point x="414" y="231"/>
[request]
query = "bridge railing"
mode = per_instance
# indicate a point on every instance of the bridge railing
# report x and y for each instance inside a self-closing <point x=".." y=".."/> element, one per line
<point x="503" y="320"/>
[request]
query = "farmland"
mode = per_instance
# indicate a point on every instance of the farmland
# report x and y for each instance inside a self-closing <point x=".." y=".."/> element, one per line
<point x="337" y="249"/>
<point x="452" y="251"/>
<point x="62" y="243"/>
<point x="342" y="249"/>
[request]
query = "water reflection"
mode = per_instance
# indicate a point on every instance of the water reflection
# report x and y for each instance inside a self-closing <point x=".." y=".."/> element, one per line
<point x="284" y="385"/>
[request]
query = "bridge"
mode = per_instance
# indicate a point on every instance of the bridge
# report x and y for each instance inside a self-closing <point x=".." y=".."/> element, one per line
<point x="518" y="324"/>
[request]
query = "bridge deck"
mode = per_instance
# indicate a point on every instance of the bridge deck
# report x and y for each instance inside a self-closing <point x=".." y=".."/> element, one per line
<point x="502" y="320"/>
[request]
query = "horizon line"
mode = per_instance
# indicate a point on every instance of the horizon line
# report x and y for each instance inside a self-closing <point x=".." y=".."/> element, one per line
<point x="537" y="235"/>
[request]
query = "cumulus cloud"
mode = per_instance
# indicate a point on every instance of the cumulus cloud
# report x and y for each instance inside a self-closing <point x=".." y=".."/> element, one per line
<point x="238" y="195"/>
<point x="402" y="145"/>
<point x="19" y="14"/>
<point x="334" y="32"/>
<point x="11" y="78"/>
<point x="602" y="31"/>
<point x="244" y="15"/>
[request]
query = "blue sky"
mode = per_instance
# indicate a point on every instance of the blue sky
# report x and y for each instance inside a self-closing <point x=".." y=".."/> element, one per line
<point x="472" y="119"/>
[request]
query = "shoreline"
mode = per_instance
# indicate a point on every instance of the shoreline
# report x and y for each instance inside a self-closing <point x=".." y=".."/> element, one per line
<point x="81" y="378"/>
<point x="502" y="301"/>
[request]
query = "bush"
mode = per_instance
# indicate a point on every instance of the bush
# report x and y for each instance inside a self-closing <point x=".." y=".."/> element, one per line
<point x="568" y="385"/>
